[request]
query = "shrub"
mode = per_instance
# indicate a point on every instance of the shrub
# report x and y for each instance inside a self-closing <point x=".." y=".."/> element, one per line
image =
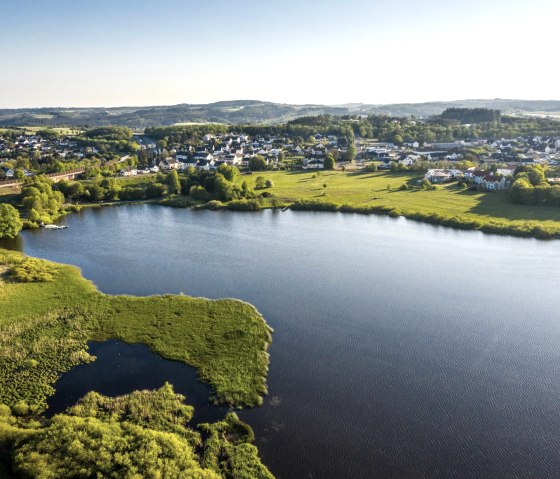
<point x="32" y="270"/>
<point x="214" y="205"/>
<point x="243" y="205"/>
<point x="314" y="205"/>
<point x="198" y="193"/>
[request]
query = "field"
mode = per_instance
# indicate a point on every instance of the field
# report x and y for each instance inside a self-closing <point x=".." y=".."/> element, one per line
<point x="365" y="191"/>
<point x="49" y="313"/>
<point x="29" y="130"/>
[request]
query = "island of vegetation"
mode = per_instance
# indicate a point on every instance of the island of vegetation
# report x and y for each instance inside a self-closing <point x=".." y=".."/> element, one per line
<point x="49" y="313"/>
<point x="145" y="434"/>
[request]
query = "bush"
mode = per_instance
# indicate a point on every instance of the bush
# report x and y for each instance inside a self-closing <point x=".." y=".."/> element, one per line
<point x="198" y="193"/>
<point x="32" y="270"/>
<point x="10" y="221"/>
<point x="155" y="190"/>
<point x="243" y="205"/>
<point x="131" y="193"/>
<point x="314" y="205"/>
<point x="21" y="408"/>
<point x="214" y="205"/>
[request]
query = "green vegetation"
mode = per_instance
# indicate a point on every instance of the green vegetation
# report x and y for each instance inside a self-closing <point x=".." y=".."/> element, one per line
<point x="10" y="222"/>
<point x="40" y="201"/>
<point x="108" y="138"/>
<point x="471" y="115"/>
<point x="49" y="313"/>
<point x="531" y="188"/>
<point x="448" y="205"/>
<point x="145" y="434"/>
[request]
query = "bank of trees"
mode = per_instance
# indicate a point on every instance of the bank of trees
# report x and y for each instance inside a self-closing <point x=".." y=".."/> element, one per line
<point x="10" y="221"/>
<point x="530" y="187"/>
<point x="40" y="200"/>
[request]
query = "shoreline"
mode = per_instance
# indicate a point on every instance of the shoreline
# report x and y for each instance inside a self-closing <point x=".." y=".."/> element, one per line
<point x="528" y="229"/>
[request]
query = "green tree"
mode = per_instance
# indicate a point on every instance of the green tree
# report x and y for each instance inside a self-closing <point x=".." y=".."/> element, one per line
<point x="329" y="162"/>
<point x="260" y="182"/>
<point x="173" y="183"/>
<point x="228" y="172"/>
<point x="350" y="153"/>
<point x="223" y="189"/>
<point x="257" y="163"/>
<point x="10" y="221"/>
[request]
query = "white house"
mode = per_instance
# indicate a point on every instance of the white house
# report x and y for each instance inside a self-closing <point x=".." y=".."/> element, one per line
<point x="495" y="182"/>
<point x="438" y="176"/>
<point x="313" y="163"/>
<point x="169" y="164"/>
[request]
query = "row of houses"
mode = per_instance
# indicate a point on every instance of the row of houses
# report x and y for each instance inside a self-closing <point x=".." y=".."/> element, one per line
<point x="488" y="180"/>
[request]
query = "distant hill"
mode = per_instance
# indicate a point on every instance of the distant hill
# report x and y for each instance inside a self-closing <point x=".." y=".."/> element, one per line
<point x="249" y="111"/>
<point x="233" y="112"/>
<point x="520" y="107"/>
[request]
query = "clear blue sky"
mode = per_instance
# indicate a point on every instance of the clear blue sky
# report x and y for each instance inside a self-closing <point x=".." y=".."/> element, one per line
<point x="138" y="52"/>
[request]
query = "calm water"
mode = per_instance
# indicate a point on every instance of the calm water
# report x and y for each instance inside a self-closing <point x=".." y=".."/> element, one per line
<point x="400" y="349"/>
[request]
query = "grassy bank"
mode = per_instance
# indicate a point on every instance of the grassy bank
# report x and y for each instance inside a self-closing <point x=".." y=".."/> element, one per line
<point x="447" y="205"/>
<point x="49" y="313"/>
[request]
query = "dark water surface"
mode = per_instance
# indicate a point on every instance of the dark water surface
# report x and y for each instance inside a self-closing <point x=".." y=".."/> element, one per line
<point x="400" y="349"/>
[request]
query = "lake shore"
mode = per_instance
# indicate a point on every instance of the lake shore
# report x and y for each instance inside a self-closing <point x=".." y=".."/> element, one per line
<point x="53" y="311"/>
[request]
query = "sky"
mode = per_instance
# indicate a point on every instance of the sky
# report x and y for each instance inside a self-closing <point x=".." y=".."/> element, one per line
<point x="139" y="52"/>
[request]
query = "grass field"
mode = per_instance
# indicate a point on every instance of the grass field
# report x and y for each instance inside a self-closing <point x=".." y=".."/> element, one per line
<point x="363" y="190"/>
<point x="49" y="313"/>
<point x="29" y="130"/>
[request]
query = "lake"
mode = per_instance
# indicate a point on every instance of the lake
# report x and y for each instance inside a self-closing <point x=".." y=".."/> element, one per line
<point x="400" y="349"/>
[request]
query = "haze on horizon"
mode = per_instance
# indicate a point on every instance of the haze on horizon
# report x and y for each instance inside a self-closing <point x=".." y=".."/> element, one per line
<point x="106" y="53"/>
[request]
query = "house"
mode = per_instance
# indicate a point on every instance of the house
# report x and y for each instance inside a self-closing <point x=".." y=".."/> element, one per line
<point x="476" y="176"/>
<point x="169" y="164"/>
<point x="313" y="163"/>
<point x="234" y="159"/>
<point x="131" y="172"/>
<point x="504" y="171"/>
<point x="182" y="156"/>
<point x="438" y="176"/>
<point x="187" y="162"/>
<point x="203" y="156"/>
<point x="206" y="164"/>
<point x="9" y="172"/>
<point x="378" y="153"/>
<point x="493" y="182"/>
<point x="448" y="146"/>
<point x="408" y="160"/>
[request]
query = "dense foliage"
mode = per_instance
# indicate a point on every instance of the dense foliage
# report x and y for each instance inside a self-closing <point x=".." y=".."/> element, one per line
<point x="10" y="222"/>
<point x="40" y="201"/>
<point x="145" y="434"/>
<point x="472" y="115"/>
<point x="531" y="188"/>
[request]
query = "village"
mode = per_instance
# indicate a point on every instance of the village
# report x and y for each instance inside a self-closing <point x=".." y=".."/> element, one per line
<point x="487" y="164"/>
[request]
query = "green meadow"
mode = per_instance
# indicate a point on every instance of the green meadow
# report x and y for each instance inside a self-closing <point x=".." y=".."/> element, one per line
<point x="382" y="192"/>
<point x="49" y="313"/>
